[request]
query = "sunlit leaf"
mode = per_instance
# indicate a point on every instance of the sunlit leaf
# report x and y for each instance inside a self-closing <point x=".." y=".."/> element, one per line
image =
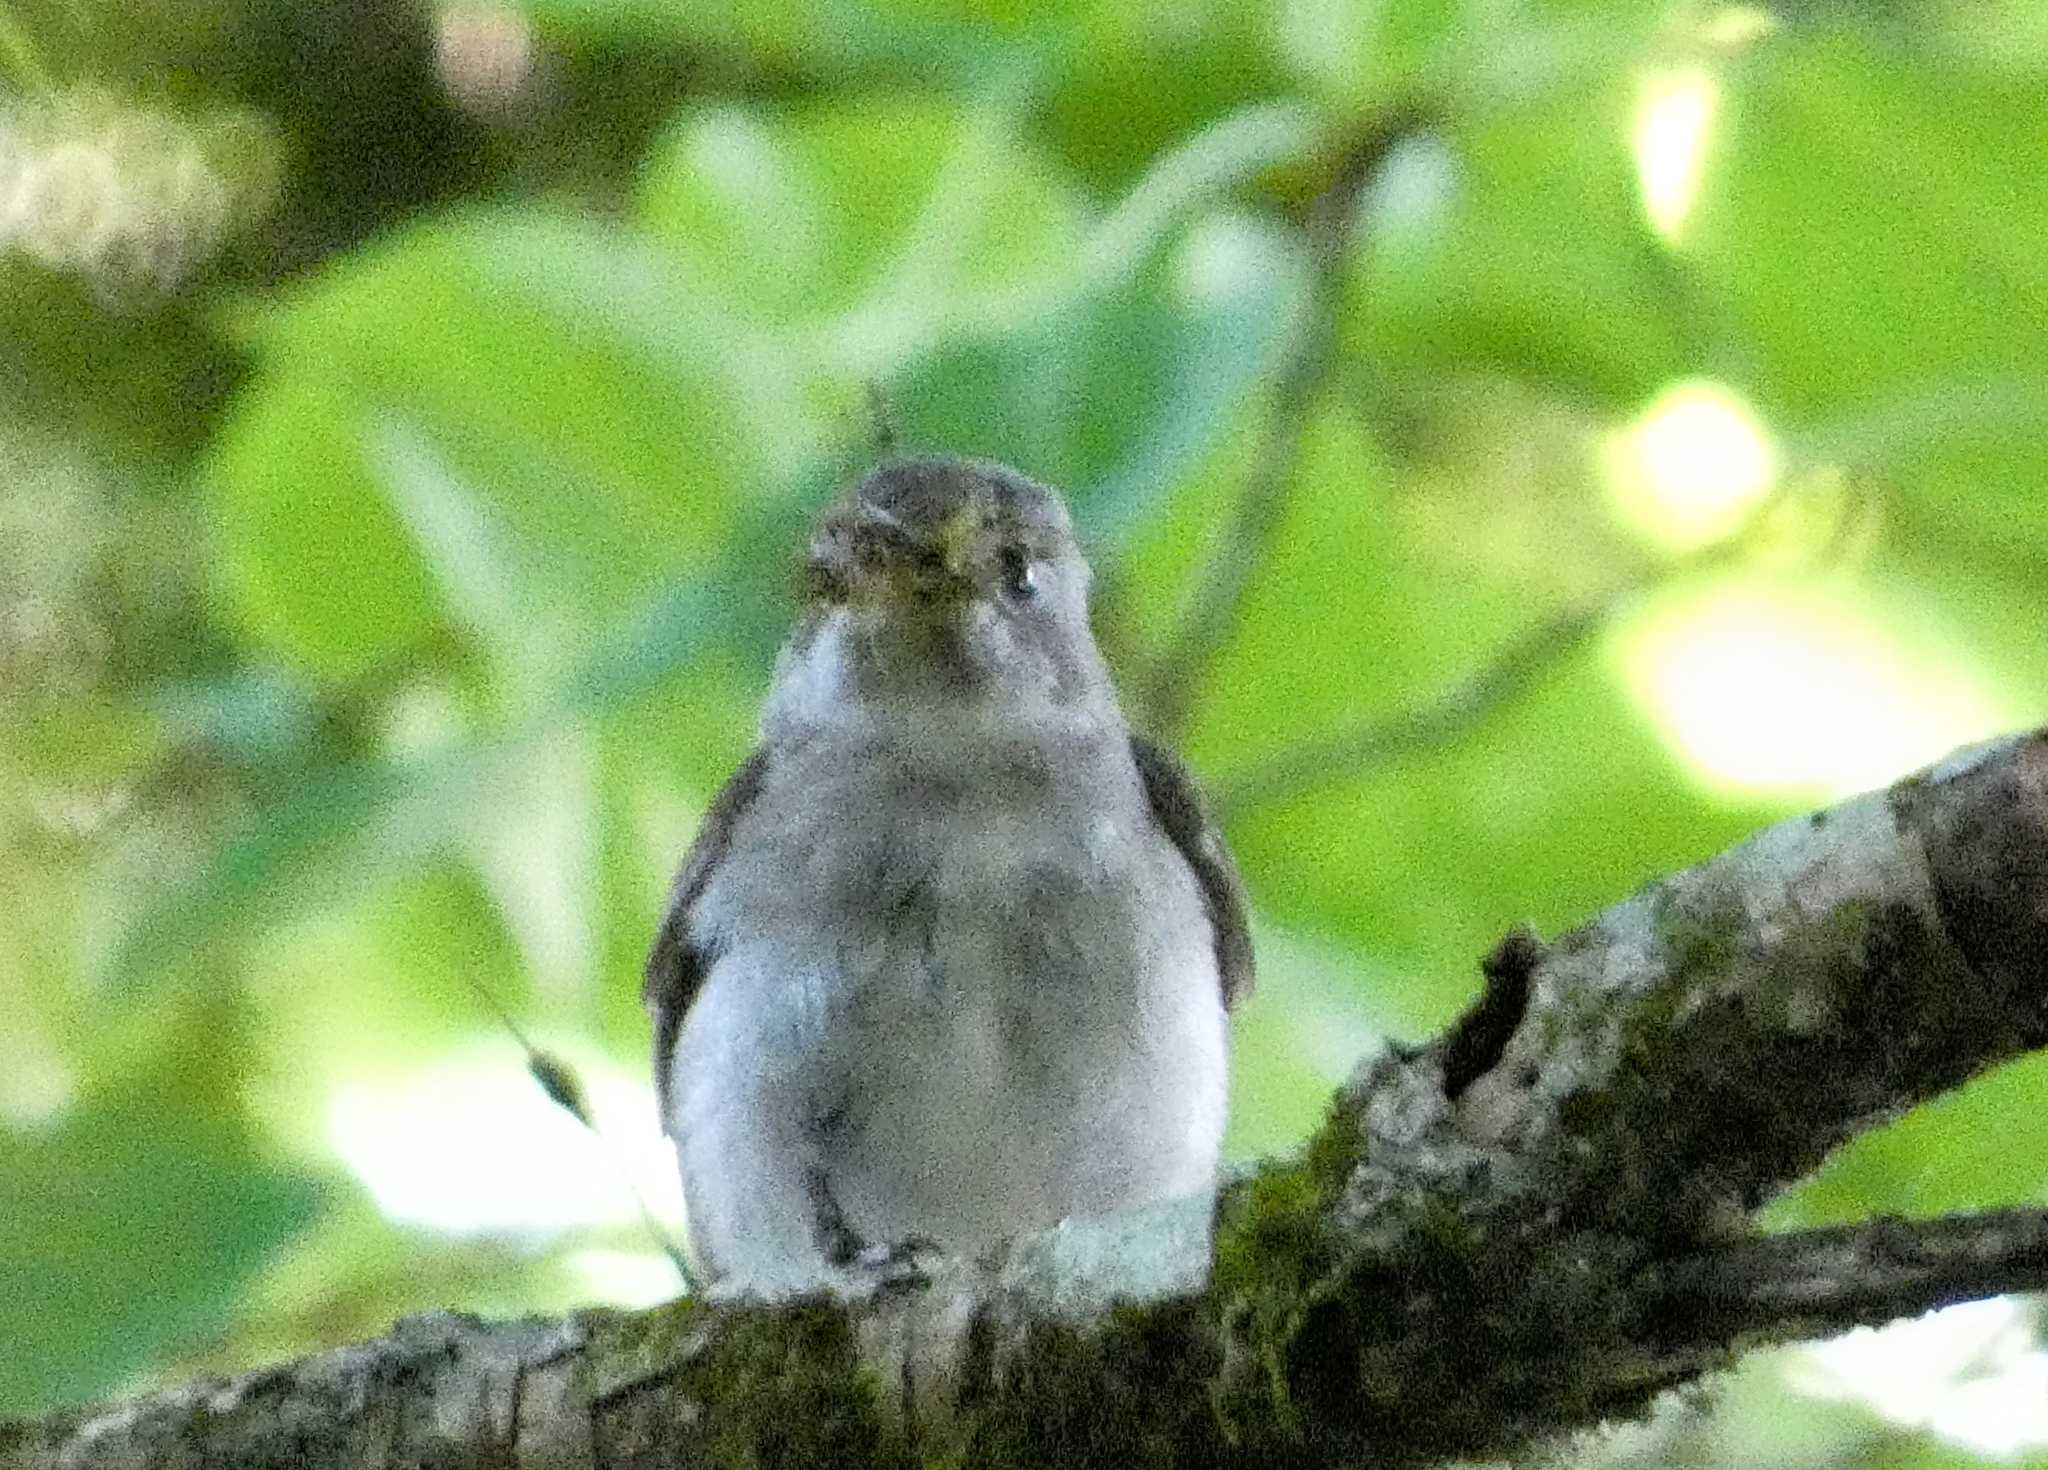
<point x="348" y="826"/>
<point x="1512" y="240"/>
<point x="548" y="376"/>
<point x="1899" y="314"/>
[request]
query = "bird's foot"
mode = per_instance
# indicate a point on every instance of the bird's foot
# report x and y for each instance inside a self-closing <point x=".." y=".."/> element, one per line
<point x="894" y="1266"/>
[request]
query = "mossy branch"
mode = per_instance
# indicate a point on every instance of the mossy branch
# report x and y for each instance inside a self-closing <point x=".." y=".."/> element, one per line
<point x="1539" y="1221"/>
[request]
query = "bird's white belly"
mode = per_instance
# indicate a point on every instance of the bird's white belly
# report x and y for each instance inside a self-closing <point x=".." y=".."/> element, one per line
<point x="977" y="1024"/>
<point x="1010" y="1069"/>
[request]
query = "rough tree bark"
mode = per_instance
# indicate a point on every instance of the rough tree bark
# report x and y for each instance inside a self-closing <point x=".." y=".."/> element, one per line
<point x="1534" y="1223"/>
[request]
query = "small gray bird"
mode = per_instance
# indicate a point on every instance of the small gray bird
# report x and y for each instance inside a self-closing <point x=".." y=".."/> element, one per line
<point x="951" y="955"/>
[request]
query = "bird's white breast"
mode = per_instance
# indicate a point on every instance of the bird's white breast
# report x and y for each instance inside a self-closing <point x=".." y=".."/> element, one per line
<point x="973" y="1000"/>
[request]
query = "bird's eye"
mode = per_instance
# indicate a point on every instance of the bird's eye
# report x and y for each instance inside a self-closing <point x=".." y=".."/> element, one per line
<point x="1020" y="578"/>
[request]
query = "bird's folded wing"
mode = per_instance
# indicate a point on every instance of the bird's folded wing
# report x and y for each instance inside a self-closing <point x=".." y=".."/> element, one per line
<point x="675" y="967"/>
<point x="1177" y="806"/>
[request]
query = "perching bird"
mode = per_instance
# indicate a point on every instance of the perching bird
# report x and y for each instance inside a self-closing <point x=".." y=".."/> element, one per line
<point x="951" y="955"/>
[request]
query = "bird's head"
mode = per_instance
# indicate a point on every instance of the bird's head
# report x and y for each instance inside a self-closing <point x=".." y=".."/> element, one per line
<point x="944" y="579"/>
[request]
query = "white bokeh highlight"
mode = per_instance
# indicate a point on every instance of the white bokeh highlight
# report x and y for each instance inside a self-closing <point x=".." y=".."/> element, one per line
<point x="1795" y="693"/>
<point x="1692" y="467"/>
<point x="1971" y="1374"/>
<point x="470" y="1145"/>
<point x="1676" y="110"/>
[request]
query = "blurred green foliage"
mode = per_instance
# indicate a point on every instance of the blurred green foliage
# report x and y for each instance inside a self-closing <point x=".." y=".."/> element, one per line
<point x="407" y="412"/>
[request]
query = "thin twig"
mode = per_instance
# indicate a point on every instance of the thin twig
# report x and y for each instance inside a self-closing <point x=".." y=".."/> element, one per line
<point x="883" y="438"/>
<point x="1346" y="753"/>
<point x="1177" y="670"/>
<point x="564" y="1089"/>
<point x="1343" y="754"/>
<point x="1782" y="1288"/>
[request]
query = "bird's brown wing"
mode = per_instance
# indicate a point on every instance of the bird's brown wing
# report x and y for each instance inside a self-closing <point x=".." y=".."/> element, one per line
<point x="1177" y="806"/>
<point x="676" y="965"/>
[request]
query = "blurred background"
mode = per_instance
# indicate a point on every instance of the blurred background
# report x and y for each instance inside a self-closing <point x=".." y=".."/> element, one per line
<point x="1525" y="446"/>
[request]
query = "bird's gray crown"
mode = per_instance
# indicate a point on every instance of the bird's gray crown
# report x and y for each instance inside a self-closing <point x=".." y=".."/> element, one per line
<point x="928" y="490"/>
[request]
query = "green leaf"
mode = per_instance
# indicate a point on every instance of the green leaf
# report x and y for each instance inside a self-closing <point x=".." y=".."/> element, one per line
<point x="134" y="1224"/>
<point x="925" y="241"/>
<point x="1371" y="602"/>
<point x="1371" y="55"/>
<point x="344" y="828"/>
<point x="1363" y="54"/>
<point x="1177" y="347"/>
<point x="893" y="218"/>
<point x="1513" y="241"/>
<point x="1127" y="92"/>
<point x="899" y="36"/>
<point x="1896" y="317"/>
<point x="1183" y="310"/>
<point x="589" y="425"/>
<point x="1918" y="262"/>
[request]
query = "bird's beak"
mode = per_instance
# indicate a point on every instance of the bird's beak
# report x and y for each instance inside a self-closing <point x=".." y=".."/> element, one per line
<point x="958" y="542"/>
<point x="919" y="563"/>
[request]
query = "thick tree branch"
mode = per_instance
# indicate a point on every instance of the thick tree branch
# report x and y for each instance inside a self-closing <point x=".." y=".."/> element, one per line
<point x="1536" y="1222"/>
<point x="1779" y="1288"/>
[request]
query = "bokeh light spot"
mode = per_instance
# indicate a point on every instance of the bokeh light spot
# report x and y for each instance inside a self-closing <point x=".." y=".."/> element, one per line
<point x="1674" y="123"/>
<point x="1795" y="695"/>
<point x="1692" y="466"/>
<point x="1972" y="1374"/>
<point x="471" y="1146"/>
<point x="624" y="1278"/>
